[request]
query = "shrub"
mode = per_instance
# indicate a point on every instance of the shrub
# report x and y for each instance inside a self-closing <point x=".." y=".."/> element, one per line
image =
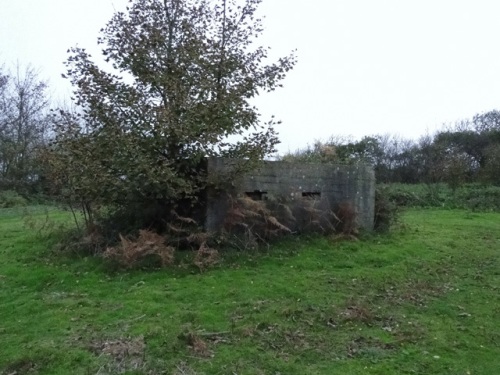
<point x="467" y="196"/>
<point x="386" y="210"/>
<point x="10" y="198"/>
<point x="406" y="195"/>
<point x="478" y="197"/>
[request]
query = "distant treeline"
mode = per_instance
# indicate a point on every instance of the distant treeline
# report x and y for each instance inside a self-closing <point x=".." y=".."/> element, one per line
<point x="468" y="151"/>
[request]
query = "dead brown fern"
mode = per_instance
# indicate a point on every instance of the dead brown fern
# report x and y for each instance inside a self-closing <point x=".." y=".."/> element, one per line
<point x="348" y="218"/>
<point x="315" y="217"/>
<point x="129" y="253"/>
<point x="182" y="232"/>
<point x="182" y="219"/>
<point x="206" y="257"/>
<point x="250" y="222"/>
<point x="199" y="238"/>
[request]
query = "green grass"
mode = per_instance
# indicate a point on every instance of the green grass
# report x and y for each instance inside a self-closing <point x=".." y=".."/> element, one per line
<point x="421" y="300"/>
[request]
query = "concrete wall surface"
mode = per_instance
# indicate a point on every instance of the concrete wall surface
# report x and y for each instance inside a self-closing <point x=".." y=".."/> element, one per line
<point x="324" y="186"/>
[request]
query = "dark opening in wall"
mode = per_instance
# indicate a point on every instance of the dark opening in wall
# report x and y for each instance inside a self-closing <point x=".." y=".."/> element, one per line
<point x="257" y="195"/>
<point x="311" y="194"/>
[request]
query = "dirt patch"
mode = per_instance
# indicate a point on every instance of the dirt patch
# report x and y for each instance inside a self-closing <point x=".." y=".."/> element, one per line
<point x="21" y="367"/>
<point x="196" y="344"/>
<point x="415" y="292"/>
<point x="200" y="343"/>
<point x="369" y="347"/>
<point x="125" y="354"/>
<point x="358" y="312"/>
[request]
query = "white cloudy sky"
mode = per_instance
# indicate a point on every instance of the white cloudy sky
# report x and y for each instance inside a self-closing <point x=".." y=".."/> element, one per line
<point x="365" y="66"/>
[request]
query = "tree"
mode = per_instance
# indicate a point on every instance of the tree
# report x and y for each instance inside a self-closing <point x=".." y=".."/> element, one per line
<point x="23" y="126"/>
<point x="472" y="143"/>
<point x="488" y="121"/>
<point x="184" y="74"/>
<point x="490" y="173"/>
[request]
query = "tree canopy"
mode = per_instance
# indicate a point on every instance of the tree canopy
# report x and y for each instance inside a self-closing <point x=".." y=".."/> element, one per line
<point x="183" y="76"/>
<point x="23" y="127"/>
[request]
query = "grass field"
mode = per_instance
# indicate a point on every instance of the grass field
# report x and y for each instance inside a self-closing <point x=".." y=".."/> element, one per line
<point x="421" y="300"/>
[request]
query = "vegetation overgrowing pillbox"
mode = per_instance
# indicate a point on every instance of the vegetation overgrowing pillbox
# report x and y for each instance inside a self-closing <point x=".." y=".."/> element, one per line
<point x="184" y="73"/>
<point x="301" y="196"/>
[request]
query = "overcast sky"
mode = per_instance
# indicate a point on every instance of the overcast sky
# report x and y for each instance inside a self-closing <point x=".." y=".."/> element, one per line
<point x="365" y="66"/>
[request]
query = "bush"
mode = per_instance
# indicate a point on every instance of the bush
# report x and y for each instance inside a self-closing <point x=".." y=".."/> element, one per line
<point x="10" y="198"/>
<point x="467" y="196"/>
<point x="415" y="195"/>
<point x="386" y="210"/>
<point x="478" y="197"/>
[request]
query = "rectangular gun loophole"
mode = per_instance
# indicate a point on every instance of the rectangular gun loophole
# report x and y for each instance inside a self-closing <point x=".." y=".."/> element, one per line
<point x="257" y="195"/>
<point x="311" y="194"/>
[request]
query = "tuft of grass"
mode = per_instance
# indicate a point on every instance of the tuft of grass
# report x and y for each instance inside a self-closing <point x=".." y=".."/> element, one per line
<point x="422" y="299"/>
